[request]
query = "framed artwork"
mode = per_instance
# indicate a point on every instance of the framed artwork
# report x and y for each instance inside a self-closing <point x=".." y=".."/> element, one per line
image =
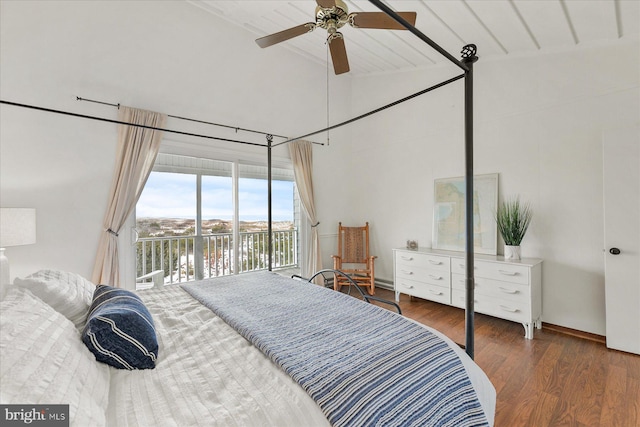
<point x="448" y="214"/>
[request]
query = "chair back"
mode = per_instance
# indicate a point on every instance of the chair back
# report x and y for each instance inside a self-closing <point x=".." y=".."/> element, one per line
<point x="353" y="244"/>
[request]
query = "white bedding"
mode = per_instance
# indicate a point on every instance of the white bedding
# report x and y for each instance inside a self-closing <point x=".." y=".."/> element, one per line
<point x="206" y="373"/>
<point x="43" y="361"/>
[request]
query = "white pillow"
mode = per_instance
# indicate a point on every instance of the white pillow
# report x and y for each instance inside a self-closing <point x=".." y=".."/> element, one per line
<point x="68" y="293"/>
<point x="43" y="361"/>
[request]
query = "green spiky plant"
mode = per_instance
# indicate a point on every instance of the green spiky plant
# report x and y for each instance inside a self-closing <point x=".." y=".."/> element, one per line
<point x="513" y="219"/>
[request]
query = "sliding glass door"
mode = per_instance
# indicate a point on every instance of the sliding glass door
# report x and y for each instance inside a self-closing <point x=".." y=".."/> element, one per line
<point x="201" y="218"/>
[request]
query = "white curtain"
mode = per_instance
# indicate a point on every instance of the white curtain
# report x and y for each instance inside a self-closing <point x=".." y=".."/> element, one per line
<point x="136" y="154"/>
<point x="302" y="158"/>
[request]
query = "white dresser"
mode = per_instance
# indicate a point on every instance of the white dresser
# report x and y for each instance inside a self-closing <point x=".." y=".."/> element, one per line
<point x="509" y="290"/>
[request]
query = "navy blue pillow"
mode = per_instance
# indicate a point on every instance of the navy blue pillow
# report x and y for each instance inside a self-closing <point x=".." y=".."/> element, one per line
<point x="120" y="330"/>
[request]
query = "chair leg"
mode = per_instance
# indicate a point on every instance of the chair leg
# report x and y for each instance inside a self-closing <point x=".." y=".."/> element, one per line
<point x="337" y="265"/>
<point x="372" y="287"/>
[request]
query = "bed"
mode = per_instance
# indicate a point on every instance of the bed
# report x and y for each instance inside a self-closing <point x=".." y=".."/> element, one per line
<point x="230" y="359"/>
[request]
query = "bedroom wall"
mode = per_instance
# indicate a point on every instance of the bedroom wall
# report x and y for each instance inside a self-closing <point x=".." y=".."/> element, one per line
<point x="538" y="123"/>
<point x="164" y="56"/>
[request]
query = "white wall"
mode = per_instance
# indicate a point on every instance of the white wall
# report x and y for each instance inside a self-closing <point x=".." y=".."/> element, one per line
<point x="165" y="56"/>
<point x="538" y="123"/>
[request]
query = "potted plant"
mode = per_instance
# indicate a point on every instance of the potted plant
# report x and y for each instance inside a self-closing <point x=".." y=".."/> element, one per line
<point x="513" y="219"/>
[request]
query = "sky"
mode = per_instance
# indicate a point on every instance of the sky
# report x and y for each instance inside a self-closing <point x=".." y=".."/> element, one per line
<point x="173" y="195"/>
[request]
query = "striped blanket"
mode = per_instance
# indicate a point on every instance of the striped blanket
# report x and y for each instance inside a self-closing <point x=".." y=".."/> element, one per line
<point x="363" y="365"/>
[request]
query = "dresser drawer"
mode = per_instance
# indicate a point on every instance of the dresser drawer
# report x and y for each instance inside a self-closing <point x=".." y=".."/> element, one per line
<point x="424" y="290"/>
<point x="426" y="275"/>
<point x="494" y="288"/>
<point x="505" y="309"/>
<point x="422" y="260"/>
<point x="499" y="271"/>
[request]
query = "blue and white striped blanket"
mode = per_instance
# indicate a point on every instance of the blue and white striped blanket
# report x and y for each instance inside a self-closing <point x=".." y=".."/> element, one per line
<point x="363" y="365"/>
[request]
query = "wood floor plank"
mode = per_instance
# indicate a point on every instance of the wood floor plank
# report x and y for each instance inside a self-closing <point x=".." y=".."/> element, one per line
<point x="544" y="368"/>
<point x="632" y="412"/>
<point x="541" y="413"/>
<point x="615" y="390"/>
<point x="562" y="370"/>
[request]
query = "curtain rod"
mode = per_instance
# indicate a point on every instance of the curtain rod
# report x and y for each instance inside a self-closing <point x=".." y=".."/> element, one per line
<point x="78" y="98"/>
<point x="102" y="119"/>
<point x="377" y="110"/>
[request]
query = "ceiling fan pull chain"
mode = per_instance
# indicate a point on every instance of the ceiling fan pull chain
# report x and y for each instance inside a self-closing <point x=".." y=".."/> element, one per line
<point x="327" y="43"/>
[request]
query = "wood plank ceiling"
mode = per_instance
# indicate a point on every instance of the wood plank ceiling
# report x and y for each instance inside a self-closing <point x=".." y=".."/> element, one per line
<point x="497" y="27"/>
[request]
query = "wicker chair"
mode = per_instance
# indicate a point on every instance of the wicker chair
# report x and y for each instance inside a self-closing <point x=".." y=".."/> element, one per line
<point x="353" y="258"/>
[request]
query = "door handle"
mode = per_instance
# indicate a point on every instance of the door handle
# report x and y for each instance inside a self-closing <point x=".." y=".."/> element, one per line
<point x="614" y="251"/>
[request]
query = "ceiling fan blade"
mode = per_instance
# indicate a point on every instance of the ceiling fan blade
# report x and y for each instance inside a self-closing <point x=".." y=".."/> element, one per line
<point x="338" y="53"/>
<point x="281" y="36"/>
<point x="327" y="4"/>
<point x="381" y="20"/>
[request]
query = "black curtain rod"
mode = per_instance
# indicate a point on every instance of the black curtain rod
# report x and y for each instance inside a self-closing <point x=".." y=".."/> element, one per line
<point x="102" y="119"/>
<point x="386" y="9"/>
<point x="78" y="98"/>
<point x="377" y="110"/>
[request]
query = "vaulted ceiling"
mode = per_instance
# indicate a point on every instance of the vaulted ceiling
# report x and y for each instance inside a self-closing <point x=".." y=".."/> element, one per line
<point x="499" y="28"/>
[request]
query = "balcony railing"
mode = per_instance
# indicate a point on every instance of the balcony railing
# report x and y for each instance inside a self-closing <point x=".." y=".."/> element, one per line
<point x="186" y="258"/>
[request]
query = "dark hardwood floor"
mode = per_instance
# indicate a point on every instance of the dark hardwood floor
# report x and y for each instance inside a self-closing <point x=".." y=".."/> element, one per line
<point x="553" y="380"/>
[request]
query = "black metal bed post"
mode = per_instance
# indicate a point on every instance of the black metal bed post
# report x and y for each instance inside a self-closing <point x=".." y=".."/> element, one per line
<point x="269" y="207"/>
<point x="469" y="57"/>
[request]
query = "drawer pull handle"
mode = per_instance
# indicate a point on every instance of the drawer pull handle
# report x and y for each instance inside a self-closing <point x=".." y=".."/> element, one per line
<point x="508" y="291"/>
<point x="435" y="262"/>
<point x="407" y="272"/>
<point x="407" y="286"/>
<point x="406" y="258"/>
<point x="509" y="309"/>
<point x="435" y="292"/>
<point x="508" y="273"/>
<point x="433" y="276"/>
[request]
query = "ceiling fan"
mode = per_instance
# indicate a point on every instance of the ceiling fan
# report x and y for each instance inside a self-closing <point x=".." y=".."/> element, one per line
<point x="333" y="15"/>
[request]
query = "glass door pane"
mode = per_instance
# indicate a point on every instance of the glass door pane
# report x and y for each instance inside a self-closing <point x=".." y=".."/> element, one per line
<point x="217" y="225"/>
<point x="253" y="216"/>
<point x="166" y="226"/>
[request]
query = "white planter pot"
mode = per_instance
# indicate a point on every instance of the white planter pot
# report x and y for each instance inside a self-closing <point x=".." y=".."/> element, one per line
<point x="511" y="252"/>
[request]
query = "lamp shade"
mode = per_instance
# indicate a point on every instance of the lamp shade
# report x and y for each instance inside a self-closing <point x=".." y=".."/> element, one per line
<point x="17" y="226"/>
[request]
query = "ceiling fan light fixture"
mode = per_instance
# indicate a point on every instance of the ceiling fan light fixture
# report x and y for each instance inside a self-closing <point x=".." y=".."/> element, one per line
<point x="336" y="16"/>
<point x="332" y="15"/>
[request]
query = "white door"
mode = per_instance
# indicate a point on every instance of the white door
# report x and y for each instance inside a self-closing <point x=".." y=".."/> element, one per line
<point x="621" y="157"/>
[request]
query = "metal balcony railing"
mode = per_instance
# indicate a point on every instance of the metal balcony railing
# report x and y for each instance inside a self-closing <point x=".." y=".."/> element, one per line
<point x="187" y="258"/>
